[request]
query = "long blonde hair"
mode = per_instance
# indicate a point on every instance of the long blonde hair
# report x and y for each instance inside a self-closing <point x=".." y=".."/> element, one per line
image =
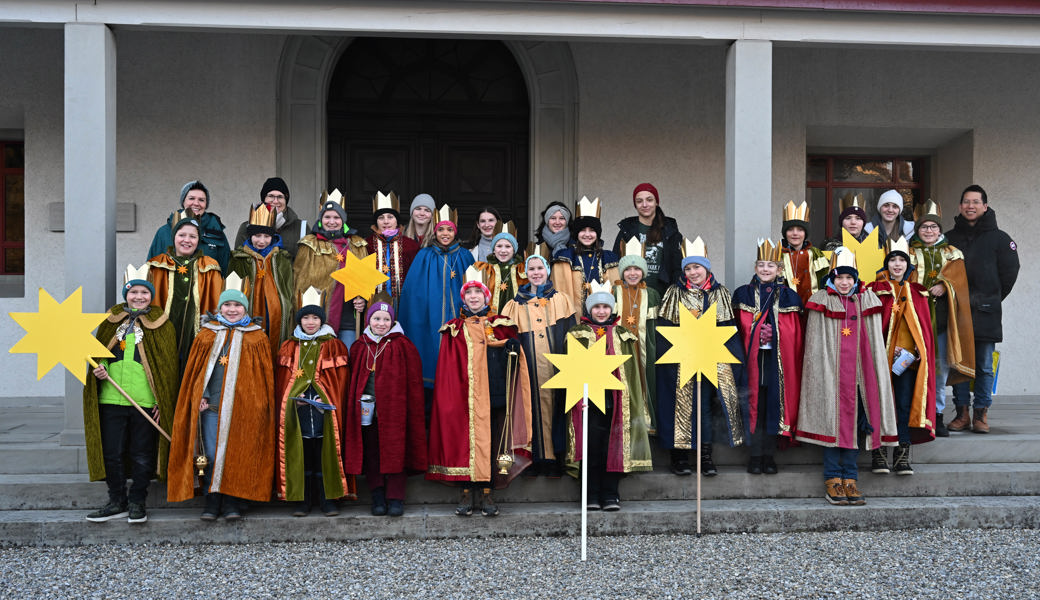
<point x="428" y="236"/>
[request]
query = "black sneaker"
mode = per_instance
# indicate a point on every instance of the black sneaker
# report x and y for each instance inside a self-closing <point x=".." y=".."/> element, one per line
<point x="878" y="461"/>
<point x="901" y="460"/>
<point x="112" y="510"/>
<point x="682" y="467"/>
<point x="593" y="505"/>
<point x="612" y="505"/>
<point x="395" y="508"/>
<point x="137" y="513"/>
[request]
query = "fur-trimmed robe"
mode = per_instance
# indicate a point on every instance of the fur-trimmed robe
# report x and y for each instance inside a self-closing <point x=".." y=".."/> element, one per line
<point x="782" y="309"/>
<point x="268" y="283"/>
<point x="331" y="377"/>
<point x="574" y="269"/>
<point x="401" y="252"/>
<point x="944" y="264"/>
<point x="316" y="260"/>
<point x="400" y="410"/>
<point x="158" y="351"/>
<point x="676" y="407"/>
<point x="502" y="280"/>
<point x="474" y="350"/>
<point x="828" y="414"/>
<point x="205" y="283"/>
<point x="636" y="308"/>
<point x="629" y="447"/>
<point x="907" y="323"/>
<point x="543" y="321"/>
<point x="244" y="458"/>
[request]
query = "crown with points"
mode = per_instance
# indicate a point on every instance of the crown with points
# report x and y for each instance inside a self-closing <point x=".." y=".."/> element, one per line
<point x="596" y="287"/>
<point x="473" y="274"/>
<point x="138" y="273"/>
<point x="928" y="210"/>
<point x="588" y="208"/>
<point x="334" y="196"/>
<point x="843" y="257"/>
<point x="633" y="247"/>
<point x="898" y="244"/>
<point x="383" y="201"/>
<point x="180" y="215"/>
<point x="849" y="200"/>
<point x="796" y="213"/>
<point x="233" y="282"/>
<point x="768" y="251"/>
<point x="311" y="297"/>
<point x="505" y="227"/>
<point x="446" y="213"/>
<point x="694" y="248"/>
<point x="534" y="249"/>
<point x="262" y="216"/>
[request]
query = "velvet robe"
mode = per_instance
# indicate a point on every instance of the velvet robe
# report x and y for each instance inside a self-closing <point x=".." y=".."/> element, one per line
<point x="676" y="406"/>
<point x="331" y="378"/>
<point x="400" y="411"/>
<point x="393" y="257"/>
<point x="906" y="322"/>
<point x="543" y="317"/>
<point x="636" y="308"/>
<point x="316" y="259"/>
<point x="462" y="447"/>
<point x="431" y="298"/>
<point x="629" y="446"/>
<point x="268" y="283"/>
<point x="573" y="269"/>
<point x="805" y="270"/>
<point x="244" y="458"/>
<point x="502" y="280"/>
<point x="839" y="368"/>
<point x="944" y="265"/>
<point x="782" y="309"/>
<point x="205" y="283"/>
<point x="158" y="350"/>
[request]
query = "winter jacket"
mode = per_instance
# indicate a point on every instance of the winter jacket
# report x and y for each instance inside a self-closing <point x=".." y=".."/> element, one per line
<point x="213" y="242"/>
<point x="671" y="249"/>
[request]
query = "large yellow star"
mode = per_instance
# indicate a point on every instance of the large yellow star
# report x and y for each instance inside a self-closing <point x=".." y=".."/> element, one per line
<point x="580" y="366"/>
<point x="359" y="276"/>
<point x="60" y="333"/>
<point x="869" y="258"/>
<point x="698" y="345"/>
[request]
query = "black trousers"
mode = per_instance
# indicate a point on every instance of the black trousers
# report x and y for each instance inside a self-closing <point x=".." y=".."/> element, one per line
<point x="603" y="485"/>
<point x="127" y="440"/>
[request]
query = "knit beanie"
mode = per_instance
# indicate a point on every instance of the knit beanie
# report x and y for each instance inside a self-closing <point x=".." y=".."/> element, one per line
<point x="631" y="260"/>
<point x="311" y="309"/>
<point x="274" y="184"/>
<point x="645" y="187"/>
<point x="142" y="282"/>
<point x="852" y="210"/>
<point x="380" y="306"/>
<point x="544" y="260"/>
<point x="194" y="185"/>
<point x="333" y="206"/>
<point x="423" y="200"/>
<point x="697" y="260"/>
<point x="890" y="197"/>
<point x="599" y="298"/>
<point x="580" y="223"/>
<point x="476" y="284"/>
<point x="233" y="296"/>
<point x="504" y="236"/>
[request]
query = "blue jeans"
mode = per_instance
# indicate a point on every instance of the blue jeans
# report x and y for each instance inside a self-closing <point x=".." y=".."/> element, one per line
<point x="210" y="421"/>
<point x="983" y="379"/>
<point x="840" y="462"/>
<point x="942" y="371"/>
<point x="903" y="390"/>
<point x="347" y="336"/>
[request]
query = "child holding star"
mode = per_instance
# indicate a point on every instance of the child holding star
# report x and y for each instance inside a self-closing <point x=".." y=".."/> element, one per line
<point x="618" y="441"/>
<point x="394" y="250"/>
<point x="637" y="304"/>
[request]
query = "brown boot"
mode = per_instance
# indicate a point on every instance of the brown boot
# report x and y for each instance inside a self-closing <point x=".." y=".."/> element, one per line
<point x="852" y="493"/>
<point x="979" y="424"/>
<point x="835" y="491"/>
<point x="962" y="422"/>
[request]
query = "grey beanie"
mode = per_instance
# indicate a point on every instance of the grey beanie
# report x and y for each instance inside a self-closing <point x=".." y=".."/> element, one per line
<point x="631" y="260"/>
<point x="194" y="185"/>
<point x="423" y="200"/>
<point x="600" y="298"/>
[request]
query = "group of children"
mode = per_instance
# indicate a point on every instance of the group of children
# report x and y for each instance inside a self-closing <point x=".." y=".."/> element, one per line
<point x="283" y="388"/>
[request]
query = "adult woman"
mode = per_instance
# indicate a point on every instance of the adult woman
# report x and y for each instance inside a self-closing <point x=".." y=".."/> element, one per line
<point x="275" y="195"/>
<point x="554" y="229"/>
<point x="420" y="217"/>
<point x="658" y="233"/>
<point x="479" y="243"/>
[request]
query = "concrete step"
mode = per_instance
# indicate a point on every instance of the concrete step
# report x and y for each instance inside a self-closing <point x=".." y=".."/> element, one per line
<point x="65" y="491"/>
<point x="178" y="525"/>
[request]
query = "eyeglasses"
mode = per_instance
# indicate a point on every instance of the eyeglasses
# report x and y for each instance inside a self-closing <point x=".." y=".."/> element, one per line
<point x="972" y="201"/>
<point x="929" y="227"/>
<point x="276" y="197"/>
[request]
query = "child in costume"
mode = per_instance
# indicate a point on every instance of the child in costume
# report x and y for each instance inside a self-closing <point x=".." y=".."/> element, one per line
<point x="846" y="389"/>
<point x="502" y="271"/>
<point x="770" y="324"/>
<point x="907" y="323"/>
<point x="430" y="297"/>
<point x="225" y="409"/>
<point x="266" y="268"/>
<point x="481" y="379"/>
<point x="324" y="251"/>
<point x="804" y="267"/>
<point x="853" y="218"/>
<point x="696" y="291"/>
<point x="637" y="304"/>
<point x="145" y="366"/>
<point x="394" y="250"/>
<point x="939" y="267"/>
<point x="187" y="283"/>
<point x="584" y="260"/>
<point x="312" y="380"/>
<point x="542" y="316"/>
<point x="618" y="441"/>
<point x="384" y="434"/>
<point x="888" y="219"/>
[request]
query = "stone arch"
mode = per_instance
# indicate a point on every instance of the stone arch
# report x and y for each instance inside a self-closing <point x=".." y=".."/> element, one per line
<point x="307" y="64"/>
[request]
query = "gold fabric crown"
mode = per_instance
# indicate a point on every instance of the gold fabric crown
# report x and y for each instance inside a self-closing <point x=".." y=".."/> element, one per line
<point x="311" y="297"/>
<point x="768" y="251"/>
<point x="333" y="196"/>
<point x="262" y="216"/>
<point x="694" y="248"/>
<point x="850" y="199"/>
<point x="928" y="209"/>
<point x="589" y="208"/>
<point x="595" y="287"/>
<point x="446" y="213"/>
<point x="633" y="247"/>
<point x="383" y="201"/>
<point x="534" y="249"/>
<point x="898" y="244"/>
<point x="233" y="282"/>
<point x="843" y="257"/>
<point x="133" y="273"/>
<point x="796" y="213"/>
<point x="473" y="274"/>
<point x="505" y="227"/>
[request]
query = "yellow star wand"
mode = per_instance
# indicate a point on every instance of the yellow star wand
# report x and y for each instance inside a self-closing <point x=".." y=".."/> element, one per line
<point x="698" y="347"/>
<point x="360" y="277"/>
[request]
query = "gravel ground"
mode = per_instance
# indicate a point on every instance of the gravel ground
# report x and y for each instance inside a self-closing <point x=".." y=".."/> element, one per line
<point x="935" y="563"/>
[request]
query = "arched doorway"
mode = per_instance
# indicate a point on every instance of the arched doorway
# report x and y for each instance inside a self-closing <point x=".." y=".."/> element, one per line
<point x="445" y="117"/>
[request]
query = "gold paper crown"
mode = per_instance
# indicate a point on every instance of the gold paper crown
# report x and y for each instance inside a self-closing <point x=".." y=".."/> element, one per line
<point x="928" y="209"/>
<point x="534" y="249"/>
<point x="262" y="216"/>
<point x="180" y="215"/>
<point x="898" y="244"/>
<point x="796" y="213"/>
<point x="843" y="257"/>
<point x="233" y="282"/>
<point x="133" y="273"/>
<point x="850" y="200"/>
<point x="633" y="247"/>
<point x="473" y="274"/>
<point x="446" y="213"/>
<point x="311" y="297"/>
<point x="588" y="208"/>
<point x="505" y="227"/>
<point x="694" y="248"/>
<point x="383" y="201"/>
<point x="595" y="287"/>
<point x="333" y="196"/>
<point x="768" y="251"/>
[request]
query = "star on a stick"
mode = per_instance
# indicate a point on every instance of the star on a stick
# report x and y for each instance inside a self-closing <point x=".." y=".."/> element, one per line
<point x="60" y="333"/>
<point x="869" y="258"/>
<point x="359" y="276"/>
<point x="698" y="345"/>
<point x="580" y="366"/>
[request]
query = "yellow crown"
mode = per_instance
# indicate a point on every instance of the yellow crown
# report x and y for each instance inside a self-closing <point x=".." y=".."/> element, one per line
<point x="333" y="196"/>
<point x="589" y="208"/>
<point x="928" y="209"/>
<point x="796" y="213"/>
<point x="768" y="251"/>
<point x="898" y="244"/>
<point x="311" y="297"/>
<point x="262" y="216"/>
<point x="383" y="201"/>
<point x="843" y="257"/>
<point x="596" y="287"/>
<point x="505" y="227"/>
<point x="446" y="213"/>
<point x="133" y="273"/>
<point x="849" y="200"/>
<point x="694" y="248"/>
<point x="633" y="247"/>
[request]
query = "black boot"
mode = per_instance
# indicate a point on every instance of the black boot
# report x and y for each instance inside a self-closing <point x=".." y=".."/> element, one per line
<point x="769" y="465"/>
<point x="212" y="510"/>
<point x="327" y="505"/>
<point x="231" y="510"/>
<point x="707" y="465"/>
<point x="940" y="427"/>
<point x="379" y="502"/>
<point x="681" y="462"/>
<point x="754" y="465"/>
<point x="303" y="508"/>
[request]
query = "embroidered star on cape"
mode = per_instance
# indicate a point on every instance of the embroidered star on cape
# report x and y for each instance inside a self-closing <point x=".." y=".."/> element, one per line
<point x="503" y="287"/>
<point x="297" y="374"/>
<point x="630" y="320"/>
<point x="224" y="360"/>
<point x="600" y="331"/>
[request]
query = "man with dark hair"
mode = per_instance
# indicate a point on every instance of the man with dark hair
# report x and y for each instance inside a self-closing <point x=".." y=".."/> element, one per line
<point x="212" y="240"/>
<point x="991" y="261"/>
<point x="275" y="194"/>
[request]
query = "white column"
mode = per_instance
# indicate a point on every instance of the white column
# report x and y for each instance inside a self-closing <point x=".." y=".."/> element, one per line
<point x="90" y="184"/>
<point x="749" y="154"/>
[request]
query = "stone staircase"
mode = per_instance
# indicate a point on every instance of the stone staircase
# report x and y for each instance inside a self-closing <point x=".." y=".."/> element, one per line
<point x="966" y="480"/>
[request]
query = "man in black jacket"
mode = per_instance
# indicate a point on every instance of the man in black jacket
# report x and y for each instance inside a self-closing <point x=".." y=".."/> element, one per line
<point x="991" y="260"/>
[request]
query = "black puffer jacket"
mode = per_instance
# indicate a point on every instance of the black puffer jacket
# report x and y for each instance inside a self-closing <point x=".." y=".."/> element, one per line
<point x="991" y="260"/>
<point x="671" y="249"/>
